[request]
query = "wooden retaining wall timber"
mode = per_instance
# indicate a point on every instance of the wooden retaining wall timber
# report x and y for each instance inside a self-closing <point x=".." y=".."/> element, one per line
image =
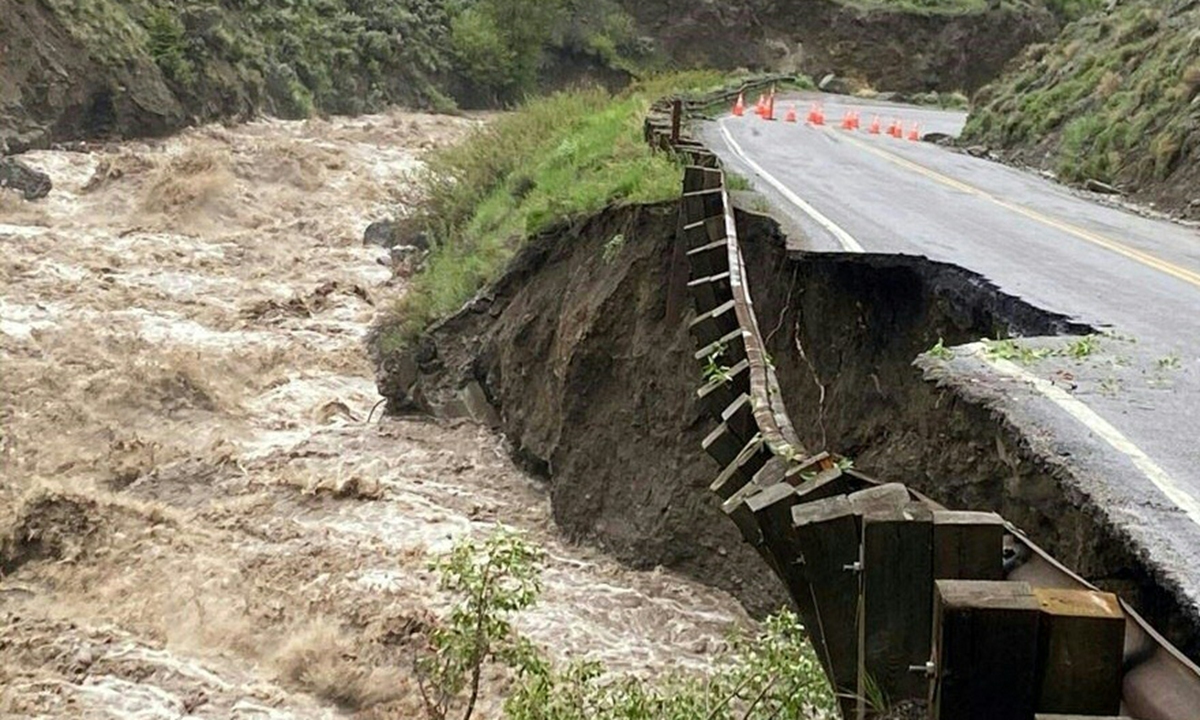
<point x="960" y="609"/>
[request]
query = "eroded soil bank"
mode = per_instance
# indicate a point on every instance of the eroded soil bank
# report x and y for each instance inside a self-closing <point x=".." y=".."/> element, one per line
<point x="595" y="386"/>
<point x="196" y="517"/>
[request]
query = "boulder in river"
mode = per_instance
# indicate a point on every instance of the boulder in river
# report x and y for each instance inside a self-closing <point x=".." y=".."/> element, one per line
<point x="396" y="233"/>
<point x="33" y="184"/>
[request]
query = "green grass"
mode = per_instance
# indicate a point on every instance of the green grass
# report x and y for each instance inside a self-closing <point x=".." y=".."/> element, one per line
<point x="1113" y="99"/>
<point x="566" y="155"/>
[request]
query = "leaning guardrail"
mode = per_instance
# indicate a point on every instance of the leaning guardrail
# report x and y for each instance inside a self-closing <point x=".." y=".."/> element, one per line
<point x="903" y="599"/>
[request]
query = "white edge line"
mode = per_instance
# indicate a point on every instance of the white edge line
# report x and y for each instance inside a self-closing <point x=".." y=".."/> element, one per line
<point x="1085" y="415"/>
<point x="848" y="243"/>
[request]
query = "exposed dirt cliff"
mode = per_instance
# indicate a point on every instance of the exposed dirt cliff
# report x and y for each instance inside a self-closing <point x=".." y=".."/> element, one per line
<point x="899" y="47"/>
<point x="595" y="387"/>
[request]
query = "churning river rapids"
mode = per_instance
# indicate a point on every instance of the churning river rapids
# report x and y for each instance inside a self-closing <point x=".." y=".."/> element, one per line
<point x="199" y="519"/>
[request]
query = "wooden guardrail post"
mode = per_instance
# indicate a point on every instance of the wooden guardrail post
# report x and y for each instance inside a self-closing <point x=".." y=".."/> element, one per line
<point x="985" y="645"/>
<point x="968" y="545"/>
<point x="1080" y="652"/>
<point x="827" y="535"/>
<point x="894" y="630"/>
<point x="676" y="119"/>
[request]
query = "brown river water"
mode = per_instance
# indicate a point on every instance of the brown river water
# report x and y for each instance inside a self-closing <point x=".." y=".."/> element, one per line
<point x="200" y="521"/>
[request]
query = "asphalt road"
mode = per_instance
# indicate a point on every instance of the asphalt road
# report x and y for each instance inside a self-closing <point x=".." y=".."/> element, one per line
<point x="1128" y="414"/>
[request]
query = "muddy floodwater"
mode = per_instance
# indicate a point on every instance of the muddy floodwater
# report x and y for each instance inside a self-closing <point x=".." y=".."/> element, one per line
<point x="198" y="519"/>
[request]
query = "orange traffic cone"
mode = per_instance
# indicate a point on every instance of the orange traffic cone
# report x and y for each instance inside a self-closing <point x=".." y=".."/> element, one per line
<point x="896" y="130"/>
<point x="820" y="118"/>
<point x="855" y="119"/>
<point x="914" y="135"/>
<point x="847" y="121"/>
<point x="875" y="127"/>
<point x="739" y="107"/>
<point x="791" y="114"/>
<point x="758" y="106"/>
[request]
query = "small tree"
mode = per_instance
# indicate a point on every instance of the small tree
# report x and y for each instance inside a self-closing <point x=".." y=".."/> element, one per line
<point x="492" y="580"/>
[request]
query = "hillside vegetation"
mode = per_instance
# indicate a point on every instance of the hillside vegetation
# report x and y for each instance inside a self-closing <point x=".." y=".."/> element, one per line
<point x="555" y="158"/>
<point x="86" y="68"/>
<point x="1115" y="99"/>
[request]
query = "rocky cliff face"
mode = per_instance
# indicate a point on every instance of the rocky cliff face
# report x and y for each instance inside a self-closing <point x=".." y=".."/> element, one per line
<point x="125" y="68"/>
<point x="52" y="87"/>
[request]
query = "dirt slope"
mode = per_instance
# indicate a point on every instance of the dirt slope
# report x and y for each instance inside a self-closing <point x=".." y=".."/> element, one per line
<point x="596" y="389"/>
<point x="196" y="517"/>
<point x="50" y="86"/>
<point x="1116" y="98"/>
<point x="889" y="49"/>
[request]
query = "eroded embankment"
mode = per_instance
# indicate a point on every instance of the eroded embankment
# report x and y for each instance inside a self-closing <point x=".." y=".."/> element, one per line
<point x="595" y="385"/>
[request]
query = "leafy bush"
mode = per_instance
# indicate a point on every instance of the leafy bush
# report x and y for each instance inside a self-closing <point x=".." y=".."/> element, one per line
<point x="771" y="674"/>
<point x="482" y="54"/>
<point x="167" y="45"/>
<point x="492" y="580"/>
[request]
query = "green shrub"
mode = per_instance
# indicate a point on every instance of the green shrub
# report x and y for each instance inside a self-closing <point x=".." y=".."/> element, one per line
<point x="771" y="674"/>
<point x="491" y="581"/>
<point x="482" y="53"/>
<point x="167" y="45"/>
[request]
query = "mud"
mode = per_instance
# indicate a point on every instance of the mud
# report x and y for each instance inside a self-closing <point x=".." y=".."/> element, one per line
<point x="595" y="386"/>
<point x="195" y="517"/>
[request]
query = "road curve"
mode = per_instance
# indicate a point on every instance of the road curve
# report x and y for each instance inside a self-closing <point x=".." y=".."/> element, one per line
<point x="1128" y="417"/>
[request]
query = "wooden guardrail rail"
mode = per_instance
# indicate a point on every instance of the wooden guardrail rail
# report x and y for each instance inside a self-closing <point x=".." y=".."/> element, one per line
<point x="903" y="599"/>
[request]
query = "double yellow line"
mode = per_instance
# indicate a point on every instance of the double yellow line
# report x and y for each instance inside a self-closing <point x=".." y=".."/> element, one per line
<point x="1145" y="258"/>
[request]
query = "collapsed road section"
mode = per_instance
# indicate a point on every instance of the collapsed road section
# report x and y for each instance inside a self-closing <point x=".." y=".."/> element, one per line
<point x="585" y="353"/>
<point x="1011" y="633"/>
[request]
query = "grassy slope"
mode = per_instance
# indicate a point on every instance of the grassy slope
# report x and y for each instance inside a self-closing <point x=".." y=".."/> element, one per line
<point x="1116" y="98"/>
<point x="558" y="157"/>
<point x="292" y="57"/>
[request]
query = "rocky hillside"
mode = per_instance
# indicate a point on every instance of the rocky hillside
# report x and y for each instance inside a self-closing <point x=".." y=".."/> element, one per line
<point x="74" y="69"/>
<point x="1115" y="99"/>
<point x="907" y="45"/>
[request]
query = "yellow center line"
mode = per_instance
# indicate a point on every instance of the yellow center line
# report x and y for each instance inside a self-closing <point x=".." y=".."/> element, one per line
<point x="1145" y="258"/>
